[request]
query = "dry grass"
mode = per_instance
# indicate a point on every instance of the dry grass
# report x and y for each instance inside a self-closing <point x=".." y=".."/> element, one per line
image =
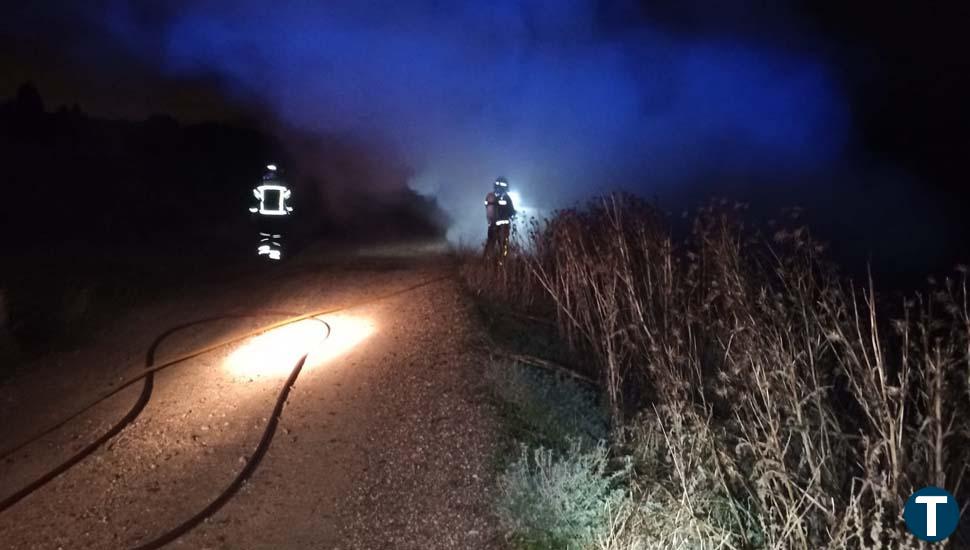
<point x="768" y="402"/>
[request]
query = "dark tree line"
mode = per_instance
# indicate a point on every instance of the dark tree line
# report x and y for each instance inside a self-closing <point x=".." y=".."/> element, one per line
<point x="71" y="177"/>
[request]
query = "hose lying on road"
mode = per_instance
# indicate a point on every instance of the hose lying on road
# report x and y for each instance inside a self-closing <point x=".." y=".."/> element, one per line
<point x="147" y="375"/>
<point x="136" y="409"/>
<point x="251" y="464"/>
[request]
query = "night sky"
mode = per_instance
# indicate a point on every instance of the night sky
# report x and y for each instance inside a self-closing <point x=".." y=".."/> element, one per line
<point x="858" y="109"/>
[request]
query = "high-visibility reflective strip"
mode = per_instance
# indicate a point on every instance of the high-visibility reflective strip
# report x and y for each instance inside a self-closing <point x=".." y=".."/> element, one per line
<point x="282" y="210"/>
<point x="503" y="222"/>
<point x="503" y="203"/>
<point x="267" y="251"/>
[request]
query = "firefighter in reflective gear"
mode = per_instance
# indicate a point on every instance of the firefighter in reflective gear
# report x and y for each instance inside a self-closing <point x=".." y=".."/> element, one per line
<point x="271" y="212"/>
<point x="499" y="211"/>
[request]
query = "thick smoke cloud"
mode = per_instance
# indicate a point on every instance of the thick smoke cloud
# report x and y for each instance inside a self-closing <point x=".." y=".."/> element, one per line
<point x="540" y="92"/>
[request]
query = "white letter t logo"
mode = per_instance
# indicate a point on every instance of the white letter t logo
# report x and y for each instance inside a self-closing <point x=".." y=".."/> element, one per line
<point x="931" y="503"/>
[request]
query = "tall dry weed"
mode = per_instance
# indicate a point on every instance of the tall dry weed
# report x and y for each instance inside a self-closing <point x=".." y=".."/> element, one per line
<point x="815" y="407"/>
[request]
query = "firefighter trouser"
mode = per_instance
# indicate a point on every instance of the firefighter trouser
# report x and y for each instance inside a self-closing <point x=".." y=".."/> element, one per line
<point x="498" y="238"/>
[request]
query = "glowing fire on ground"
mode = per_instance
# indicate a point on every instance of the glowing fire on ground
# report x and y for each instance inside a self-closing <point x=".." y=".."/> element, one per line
<point x="274" y="353"/>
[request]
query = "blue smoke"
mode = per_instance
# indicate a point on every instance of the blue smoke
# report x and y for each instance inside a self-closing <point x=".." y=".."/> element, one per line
<point x="537" y="91"/>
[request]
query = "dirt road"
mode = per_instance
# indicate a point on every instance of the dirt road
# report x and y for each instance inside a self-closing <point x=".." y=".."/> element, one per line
<point x="385" y="440"/>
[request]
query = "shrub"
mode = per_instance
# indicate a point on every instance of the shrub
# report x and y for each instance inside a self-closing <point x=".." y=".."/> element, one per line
<point x="559" y="500"/>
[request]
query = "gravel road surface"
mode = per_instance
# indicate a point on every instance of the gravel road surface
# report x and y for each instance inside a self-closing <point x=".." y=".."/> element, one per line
<point x="385" y="441"/>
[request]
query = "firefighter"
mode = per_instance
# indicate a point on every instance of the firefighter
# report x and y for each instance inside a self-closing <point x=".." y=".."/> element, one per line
<point x="499" y="212"/>
<point x="272" y="209"/>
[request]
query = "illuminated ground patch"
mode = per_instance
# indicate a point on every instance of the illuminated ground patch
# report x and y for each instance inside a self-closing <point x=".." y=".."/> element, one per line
<point x="274" y="353"/>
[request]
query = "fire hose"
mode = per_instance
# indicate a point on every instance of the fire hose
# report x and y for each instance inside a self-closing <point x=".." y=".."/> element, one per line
<point x="147" y="377"/>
